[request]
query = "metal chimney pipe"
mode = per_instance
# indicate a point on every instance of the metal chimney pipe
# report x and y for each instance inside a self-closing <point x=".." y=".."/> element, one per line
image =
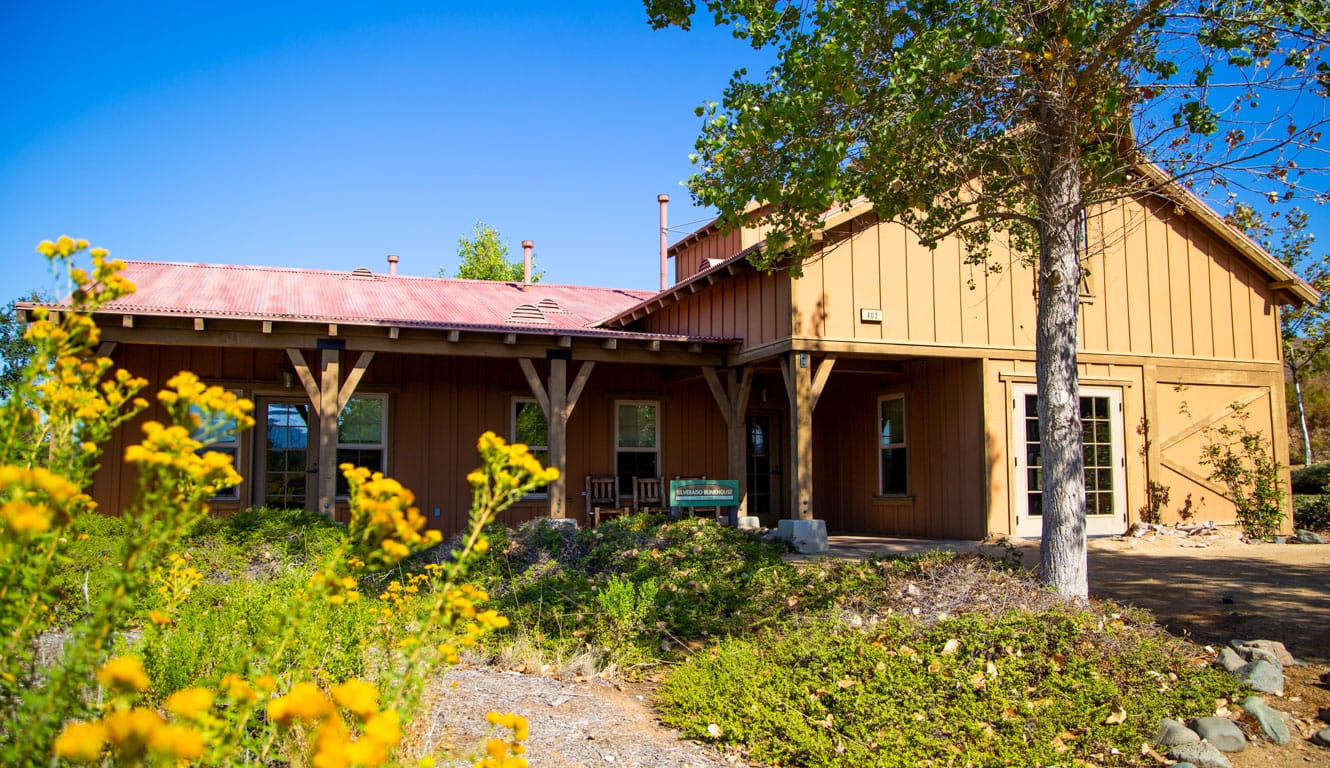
<point x="392" y="264"/>
<point x="664" y="201"/>
<point x="527" y="245"/>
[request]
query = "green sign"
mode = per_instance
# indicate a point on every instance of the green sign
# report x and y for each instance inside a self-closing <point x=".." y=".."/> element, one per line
<point x="704" y="493"/>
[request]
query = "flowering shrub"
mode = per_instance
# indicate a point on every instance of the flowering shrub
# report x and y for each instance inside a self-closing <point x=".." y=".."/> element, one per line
<point x="270" y="697"/>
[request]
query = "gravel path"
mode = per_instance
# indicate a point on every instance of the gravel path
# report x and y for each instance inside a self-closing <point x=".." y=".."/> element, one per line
<point x="573" y="724"/>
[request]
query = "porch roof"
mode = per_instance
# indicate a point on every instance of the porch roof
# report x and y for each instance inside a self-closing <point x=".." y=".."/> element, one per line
<point x="363" y="298"/>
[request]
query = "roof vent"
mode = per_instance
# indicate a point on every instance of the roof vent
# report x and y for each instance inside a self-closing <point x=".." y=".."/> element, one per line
<point x="527" y="313"/>
<point x="362" y="272"/>
<point x="708" y="264"/>
<point x="549" y="305"/>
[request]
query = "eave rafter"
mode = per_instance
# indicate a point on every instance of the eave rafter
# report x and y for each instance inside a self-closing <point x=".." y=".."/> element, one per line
<point x="397" y="338"/>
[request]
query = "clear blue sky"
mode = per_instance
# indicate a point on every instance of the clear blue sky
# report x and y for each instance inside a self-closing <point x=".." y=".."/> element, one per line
<point x="331" y="134"/>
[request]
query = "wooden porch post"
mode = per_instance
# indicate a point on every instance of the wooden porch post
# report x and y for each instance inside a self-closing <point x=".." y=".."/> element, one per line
<point x="803" y="388"/>
<point x="330" y="362"/>
<point x="557" y="400"/>
<point x="732" y="399"/>
<point x="328" y="397"/>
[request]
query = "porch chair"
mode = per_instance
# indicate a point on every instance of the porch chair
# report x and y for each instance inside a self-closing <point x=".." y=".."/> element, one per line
<point x="602" y="497"/>
<point x="649" y="495"/>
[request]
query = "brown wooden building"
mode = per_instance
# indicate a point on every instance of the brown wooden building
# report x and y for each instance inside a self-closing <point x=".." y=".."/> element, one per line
<point x="889" y="390"/>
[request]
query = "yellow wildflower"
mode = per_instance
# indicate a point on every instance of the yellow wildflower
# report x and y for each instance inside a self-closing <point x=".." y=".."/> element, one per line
<point x="24" y="517"/>
<point x="303" y="702"/>
<point x="358" y="697"/>
<point x="124" y="673"/>
<point x="238" y="688"/>
<point x="81" y="742"/>
<point x="177" y="741"/>
<point x="384" y="728"/>
<point x="189" y="702"/>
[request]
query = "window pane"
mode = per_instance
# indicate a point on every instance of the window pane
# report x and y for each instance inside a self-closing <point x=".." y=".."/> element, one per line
<point x="634" y="464"/>
<point x="637" y="426"/>
<point x="892" y="421"/>
<point x="369" y="458"/>
<point x="531" y="425"/>
<point x="361" y="421"/>
<point x="893" y="471"/>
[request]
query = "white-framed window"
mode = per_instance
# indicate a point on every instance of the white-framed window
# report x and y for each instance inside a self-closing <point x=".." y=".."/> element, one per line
<point x="362" y="436"/>
<point x="227" y="441"/>
<point x="1103" y="453"/>
<point x="636" y="441"/>
<point x="893" y="465"/>
<point x="530" y="426"/>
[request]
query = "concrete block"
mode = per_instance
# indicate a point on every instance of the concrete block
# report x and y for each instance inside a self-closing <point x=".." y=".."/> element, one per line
<point x="562" y="522"/>
<point x="807" y="537"/>
<point x="749" y="523"/>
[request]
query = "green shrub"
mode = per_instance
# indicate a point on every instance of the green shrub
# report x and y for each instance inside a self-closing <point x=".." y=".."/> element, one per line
<point x="1310" y="480"/>
<point x="1241" y="459"/>
<point x="1022" y="689"/>
<point x="1311" y="512"/>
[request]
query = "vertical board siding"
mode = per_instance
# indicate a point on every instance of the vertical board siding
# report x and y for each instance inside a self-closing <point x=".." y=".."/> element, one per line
<point x="946" y="453"/>
<point x="1160" y="284"/>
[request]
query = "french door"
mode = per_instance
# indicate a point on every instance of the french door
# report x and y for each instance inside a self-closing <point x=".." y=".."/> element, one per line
<point x="1105" y="461"/>
<point x="286" y="454"/>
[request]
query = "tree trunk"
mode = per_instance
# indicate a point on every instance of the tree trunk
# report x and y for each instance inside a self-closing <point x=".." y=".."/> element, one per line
<point x="1062" y="557"/>
<point x="1302" y="417"/>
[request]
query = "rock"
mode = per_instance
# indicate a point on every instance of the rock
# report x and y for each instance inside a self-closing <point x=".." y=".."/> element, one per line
<point x="1171" y="733"/>
<point x="1221" y="732"/>
<point x="1200" y="754"/>
<point x="1322" y="737"/>
<point x="1230" y="660"/>
<point x="1281" y="539"/>
<point x="1274" y="649"/>
<point x="1262" y="676"/>
<point x="1271" y="721"/>
<point x="807" y="537"/>
<point x="1325" y="678"/>
<point x="1307" y="537"/>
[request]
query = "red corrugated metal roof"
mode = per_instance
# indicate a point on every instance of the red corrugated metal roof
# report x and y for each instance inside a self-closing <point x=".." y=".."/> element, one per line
<point x="214" y="290"/>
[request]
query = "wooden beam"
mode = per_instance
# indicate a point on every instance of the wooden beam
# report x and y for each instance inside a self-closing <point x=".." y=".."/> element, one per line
<point x="304" y="374"/>
<point x="353" y="379"/>
<point x="267" y="326"/>
<point x="394" y="332"/>
<point x="654" y="345"/>
<point x="198" y="323"/>
<point x="510" y="339"/>
<point x="794" y="368"/>
<point x="740" y="384"/>
<point x="127" y="321"/>
<point x="537" y="389"/>
<point x="105" y="348"/>
<point x="609" y="344"/>
<point x="820" y="379"/>
<point x="454" y="336"/>
<point x="476" y="344"/>
<point x="565" y="341"/>
<point x="326" y="407"/>
<point x="717" y="392"/>
<point x="332" y="329"/>
<point x="558" y="432"/>
<point x="579" y="383"/>
<point x="1212" y="419"/>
